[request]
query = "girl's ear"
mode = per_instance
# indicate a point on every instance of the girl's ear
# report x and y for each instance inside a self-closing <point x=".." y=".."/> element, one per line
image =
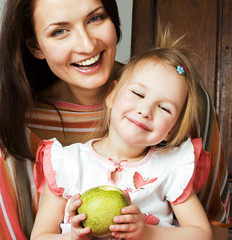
<point x="167" y="137"/>
<point x="34" y="49"/>
<point x="110" y="96"/>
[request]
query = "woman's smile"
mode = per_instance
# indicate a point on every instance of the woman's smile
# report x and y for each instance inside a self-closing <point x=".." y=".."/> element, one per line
<point x="89" y="65"/>
<point x="88" y="62"/>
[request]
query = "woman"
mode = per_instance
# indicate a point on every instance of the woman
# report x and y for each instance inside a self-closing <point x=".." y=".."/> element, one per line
<point x="57" y="62"/>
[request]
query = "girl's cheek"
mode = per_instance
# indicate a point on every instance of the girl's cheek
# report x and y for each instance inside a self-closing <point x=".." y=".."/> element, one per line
<point x="165" y="125"/>
<point x="124" y="101"/>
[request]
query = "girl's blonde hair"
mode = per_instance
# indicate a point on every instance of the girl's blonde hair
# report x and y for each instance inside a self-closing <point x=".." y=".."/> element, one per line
<point x="173" y="53"/>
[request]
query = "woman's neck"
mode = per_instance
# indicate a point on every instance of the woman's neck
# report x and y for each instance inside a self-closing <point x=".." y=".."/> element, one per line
<point x="61" y="91"/>
<point x="119" y="150"/>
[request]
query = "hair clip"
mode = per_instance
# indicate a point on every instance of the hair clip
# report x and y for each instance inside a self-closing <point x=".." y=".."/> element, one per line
<point x="181" y="70"/>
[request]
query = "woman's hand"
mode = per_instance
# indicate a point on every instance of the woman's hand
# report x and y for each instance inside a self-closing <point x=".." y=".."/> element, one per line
<point x="132" y="225"/>
<point x="77" y="231"/>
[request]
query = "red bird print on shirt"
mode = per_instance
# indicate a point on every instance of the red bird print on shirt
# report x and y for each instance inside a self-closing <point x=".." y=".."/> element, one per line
<point x="139" y="181"/>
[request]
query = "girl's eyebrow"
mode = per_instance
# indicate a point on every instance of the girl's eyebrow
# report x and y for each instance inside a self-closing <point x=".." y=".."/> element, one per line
<point x="64" y="23"/>
<point x="170" y="101"/>
<point x="137" y="84"/>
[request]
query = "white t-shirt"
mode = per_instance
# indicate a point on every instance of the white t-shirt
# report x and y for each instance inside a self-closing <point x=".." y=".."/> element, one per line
<point x="154" y="182"/>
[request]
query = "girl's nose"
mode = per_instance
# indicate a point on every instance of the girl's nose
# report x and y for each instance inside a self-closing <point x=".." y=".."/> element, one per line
<point x="84" y="42"/>
<point x="145" y="112"/>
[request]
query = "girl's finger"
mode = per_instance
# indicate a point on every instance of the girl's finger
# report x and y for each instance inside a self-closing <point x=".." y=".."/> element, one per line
<point x="127" y="196"/>
<point x="131" y="209"/>
<point x="75" y="202"/>
<point x="76" y="221"/>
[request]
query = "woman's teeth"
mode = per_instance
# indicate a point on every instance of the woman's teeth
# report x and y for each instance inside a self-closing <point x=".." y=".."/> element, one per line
<point x="90" y="61"/>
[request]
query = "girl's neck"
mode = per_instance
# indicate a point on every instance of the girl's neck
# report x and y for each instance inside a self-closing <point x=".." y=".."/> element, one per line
<point x="119" y="150"/>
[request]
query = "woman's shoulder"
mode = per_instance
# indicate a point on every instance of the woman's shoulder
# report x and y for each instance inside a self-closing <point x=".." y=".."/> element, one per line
<point x="116" y="70"/>
<point x="54" y="90"/>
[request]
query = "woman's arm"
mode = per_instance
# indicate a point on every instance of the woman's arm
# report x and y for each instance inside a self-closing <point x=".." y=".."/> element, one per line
<point x="214" y="203"/>
<point x="220" y="233"/>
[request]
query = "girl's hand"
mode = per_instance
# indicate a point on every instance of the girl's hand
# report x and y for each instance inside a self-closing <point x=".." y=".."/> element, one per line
<point x="132" y="225"/>
<point x="77" y="231"/>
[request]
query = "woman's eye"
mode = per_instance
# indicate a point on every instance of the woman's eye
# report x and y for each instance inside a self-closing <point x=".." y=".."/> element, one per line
<point x="164" y="109"/>
<point x="58" y="32"/>
<point x="96" y="18"/>
<point x="138" y="94"/>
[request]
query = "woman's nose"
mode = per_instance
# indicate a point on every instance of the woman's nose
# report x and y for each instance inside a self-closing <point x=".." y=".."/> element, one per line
<point x="84" y="42"/>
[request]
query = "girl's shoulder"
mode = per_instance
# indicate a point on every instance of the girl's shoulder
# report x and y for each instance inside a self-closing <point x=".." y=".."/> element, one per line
<point x="184" y="152"/>
<point x="53" y="161"/>
<point x="192" y="164"/>
<point x="57" y="149"/>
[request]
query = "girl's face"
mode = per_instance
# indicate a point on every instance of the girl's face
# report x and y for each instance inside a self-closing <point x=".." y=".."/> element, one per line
<point x="148" y="105"/>
<point x="77" y="39"/>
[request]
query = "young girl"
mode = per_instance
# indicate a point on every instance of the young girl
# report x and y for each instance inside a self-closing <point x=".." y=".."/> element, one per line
<point x="145" y="151"/>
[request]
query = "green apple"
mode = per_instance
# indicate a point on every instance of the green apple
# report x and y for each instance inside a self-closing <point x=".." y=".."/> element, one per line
<point x="101" y="204"/>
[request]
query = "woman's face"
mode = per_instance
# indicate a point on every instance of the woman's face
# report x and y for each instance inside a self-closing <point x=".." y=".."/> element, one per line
<point x="77" y="39"/>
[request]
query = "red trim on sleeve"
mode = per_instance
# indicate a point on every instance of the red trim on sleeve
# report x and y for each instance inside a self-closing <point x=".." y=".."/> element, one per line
<point x="43" y="170"/>
<point x="201" y="172"/>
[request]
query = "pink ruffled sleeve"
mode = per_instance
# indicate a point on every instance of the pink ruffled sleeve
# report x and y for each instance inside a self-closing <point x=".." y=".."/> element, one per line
<point x="201" y="172"/>
<point x="43" y="169"/>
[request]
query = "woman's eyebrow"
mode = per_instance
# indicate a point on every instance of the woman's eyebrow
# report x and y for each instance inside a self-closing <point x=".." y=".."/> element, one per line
<point x="55" y="24"/>
<point x="95" y="10"/>
<point x="64" y="23"/>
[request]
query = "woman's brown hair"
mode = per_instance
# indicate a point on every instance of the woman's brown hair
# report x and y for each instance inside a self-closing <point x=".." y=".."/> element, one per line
<point x="22" y="75"/>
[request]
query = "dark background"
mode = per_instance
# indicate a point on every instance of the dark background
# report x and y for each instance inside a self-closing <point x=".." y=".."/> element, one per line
<point x="209" y="25"/>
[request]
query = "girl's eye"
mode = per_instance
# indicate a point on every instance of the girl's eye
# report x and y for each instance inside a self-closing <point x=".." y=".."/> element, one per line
<point x="96" y="18"/>
<point x="164" y="109"/>
<point x="58" y="32"/>
<point x="138" y="94"/>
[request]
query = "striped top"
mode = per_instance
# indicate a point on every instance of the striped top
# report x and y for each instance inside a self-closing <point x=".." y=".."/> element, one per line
<point x="18" y="209"/>
<point x="18" y="195"/>
<point x="69" y="123"/>
<point x="215" y="194"/>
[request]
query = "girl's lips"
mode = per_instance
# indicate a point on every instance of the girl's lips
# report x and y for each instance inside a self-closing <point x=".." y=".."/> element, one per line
<point x="139" y="124"/>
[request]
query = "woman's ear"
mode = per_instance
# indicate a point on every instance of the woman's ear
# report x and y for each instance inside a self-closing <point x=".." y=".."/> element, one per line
<point x="34" y="49"/>
<point x="110" y="95"/>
